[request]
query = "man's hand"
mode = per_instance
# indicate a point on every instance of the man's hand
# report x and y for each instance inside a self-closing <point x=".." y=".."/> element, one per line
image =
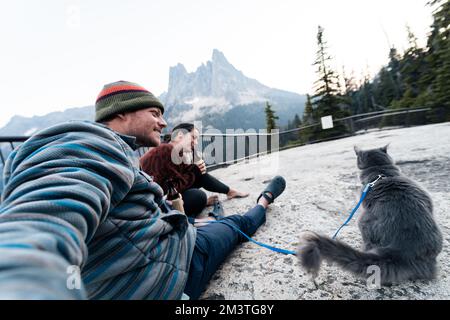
<point x="178" y="204"/>
<point x="202" y="166"/>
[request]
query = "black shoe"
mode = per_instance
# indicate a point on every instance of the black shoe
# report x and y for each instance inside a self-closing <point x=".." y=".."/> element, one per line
<point x="218" y="213"/>
<point x="275" y="187"/>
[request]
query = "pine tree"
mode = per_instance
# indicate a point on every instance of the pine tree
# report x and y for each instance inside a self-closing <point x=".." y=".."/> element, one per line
<point x="385" y="89"/>
<point x="439" y="45"/>
<point x="309" y="118"/>
<point x="413" y="66"/>
<point x="308" y="113"/>
<point x="327" y="97"/>
<point x="270" y="118"/>
<point x="366" y="98"/>
<point x="326" y="87"/>
<point x="394" y="73"/>
<point x="294" y="135"/>
<point x="297" y="122"/>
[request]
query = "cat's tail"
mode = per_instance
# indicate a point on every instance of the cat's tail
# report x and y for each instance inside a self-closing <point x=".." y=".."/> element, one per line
<point x="314" y="248"/>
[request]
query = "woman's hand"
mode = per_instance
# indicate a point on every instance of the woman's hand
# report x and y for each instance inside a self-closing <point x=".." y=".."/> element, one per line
<point x="202" y="166"/>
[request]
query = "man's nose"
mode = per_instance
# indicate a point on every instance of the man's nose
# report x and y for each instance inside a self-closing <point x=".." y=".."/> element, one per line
<point x="162" y="123"/>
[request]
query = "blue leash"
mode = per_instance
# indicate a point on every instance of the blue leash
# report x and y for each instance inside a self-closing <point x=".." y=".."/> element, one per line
<point x="364" y="193"/>
<point x="287" y="252"/>
<point x="275" y="249"/>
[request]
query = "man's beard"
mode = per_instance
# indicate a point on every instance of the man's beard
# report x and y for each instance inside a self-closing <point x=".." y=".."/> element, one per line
<point x="146" y="141"/>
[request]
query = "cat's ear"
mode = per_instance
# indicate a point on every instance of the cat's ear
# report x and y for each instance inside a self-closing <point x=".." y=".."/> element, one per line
<point x="384" y="149"/>
<point x="357" y="150"/>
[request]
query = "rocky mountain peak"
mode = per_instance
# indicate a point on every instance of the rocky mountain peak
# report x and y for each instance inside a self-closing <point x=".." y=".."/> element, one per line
<point x="218" y="58"/>
<point x="216" y="88"/>
<point x="216" y="80"/>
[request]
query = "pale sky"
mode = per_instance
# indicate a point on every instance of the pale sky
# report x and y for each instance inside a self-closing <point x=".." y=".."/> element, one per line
<point x="57" y="54"/>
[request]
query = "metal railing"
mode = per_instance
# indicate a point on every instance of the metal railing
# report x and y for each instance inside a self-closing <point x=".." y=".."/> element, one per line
<point x="223" y="149"/>
<point x="243" y="146"/>
<point x="7" y="145"/>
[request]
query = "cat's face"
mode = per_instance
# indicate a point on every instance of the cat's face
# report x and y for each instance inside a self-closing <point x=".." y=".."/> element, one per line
<point x="372" y="158"/>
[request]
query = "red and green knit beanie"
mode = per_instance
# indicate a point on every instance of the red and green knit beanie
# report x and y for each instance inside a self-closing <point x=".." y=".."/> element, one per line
<point x="123" y="96"/>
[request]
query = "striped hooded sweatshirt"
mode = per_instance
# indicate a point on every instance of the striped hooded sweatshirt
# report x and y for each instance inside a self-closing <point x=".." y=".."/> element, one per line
<point x="75" y="200"/>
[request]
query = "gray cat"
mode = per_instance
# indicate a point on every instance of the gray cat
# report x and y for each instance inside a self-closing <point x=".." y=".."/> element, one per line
<point x="399" y="233"/>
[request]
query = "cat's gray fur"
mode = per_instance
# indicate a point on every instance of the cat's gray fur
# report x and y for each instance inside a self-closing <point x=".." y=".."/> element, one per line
<point x="399" y="233"/>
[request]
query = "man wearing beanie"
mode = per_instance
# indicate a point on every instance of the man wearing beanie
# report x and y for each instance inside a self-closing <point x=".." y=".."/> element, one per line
<point x="128" y="101"/>
<point x="80" y="220"/>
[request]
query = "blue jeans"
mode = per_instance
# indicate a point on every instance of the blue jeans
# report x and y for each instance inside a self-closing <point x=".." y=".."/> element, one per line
<point x="215" y="242"/>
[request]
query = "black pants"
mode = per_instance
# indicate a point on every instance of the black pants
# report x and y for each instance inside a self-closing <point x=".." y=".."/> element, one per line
<point x="195" y="199"/>
<point x="215" y="242"/>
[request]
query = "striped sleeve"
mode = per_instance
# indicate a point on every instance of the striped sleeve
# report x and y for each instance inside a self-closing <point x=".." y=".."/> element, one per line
<point x="58" y="188"/>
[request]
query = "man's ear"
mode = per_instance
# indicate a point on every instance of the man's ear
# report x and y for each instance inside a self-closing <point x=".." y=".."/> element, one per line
<point x="384" y="149"/>
<point x="357" y="150"/>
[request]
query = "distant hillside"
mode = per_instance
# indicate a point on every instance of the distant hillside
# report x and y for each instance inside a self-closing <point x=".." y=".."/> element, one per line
<point x="25" y="126"/>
